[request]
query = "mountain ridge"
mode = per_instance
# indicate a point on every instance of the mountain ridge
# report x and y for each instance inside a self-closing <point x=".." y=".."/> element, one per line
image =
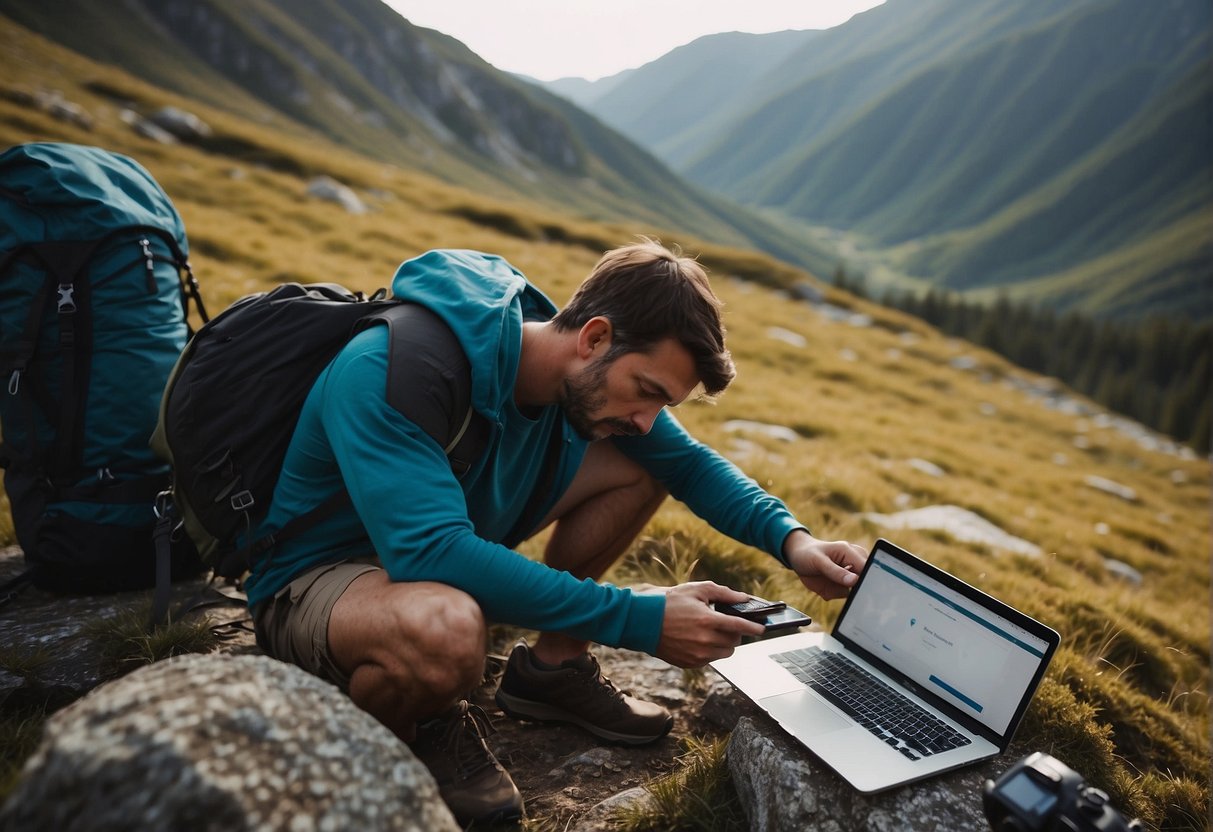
<point x="361" y="74"/>
<point x="930" y="131"/>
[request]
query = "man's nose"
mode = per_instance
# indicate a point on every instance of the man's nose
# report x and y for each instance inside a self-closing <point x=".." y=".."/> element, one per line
<point x="643" y="420"/>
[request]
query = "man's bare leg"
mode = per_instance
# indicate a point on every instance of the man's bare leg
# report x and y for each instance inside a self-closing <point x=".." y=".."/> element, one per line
<point x="609" y="502"/>
<point x="411" y="649"/>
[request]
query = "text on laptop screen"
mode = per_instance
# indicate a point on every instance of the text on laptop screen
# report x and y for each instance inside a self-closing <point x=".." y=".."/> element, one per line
<point x="943" y="641"/>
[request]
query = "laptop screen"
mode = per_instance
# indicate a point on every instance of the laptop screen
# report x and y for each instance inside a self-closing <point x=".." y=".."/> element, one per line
<point x="946" y="637"/>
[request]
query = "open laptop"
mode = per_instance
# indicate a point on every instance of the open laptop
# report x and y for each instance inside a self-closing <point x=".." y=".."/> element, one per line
<point x="921" y="674"/>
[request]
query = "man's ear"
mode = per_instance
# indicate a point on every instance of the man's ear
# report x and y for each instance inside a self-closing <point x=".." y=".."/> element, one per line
<point x="594" y="339"/>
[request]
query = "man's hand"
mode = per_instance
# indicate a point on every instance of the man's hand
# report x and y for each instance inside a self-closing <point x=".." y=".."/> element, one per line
<point x="692" y="633"/>
<point x="829" y="568"/>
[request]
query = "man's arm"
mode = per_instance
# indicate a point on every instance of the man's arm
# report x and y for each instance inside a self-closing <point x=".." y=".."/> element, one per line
<point x="733" y="503"/>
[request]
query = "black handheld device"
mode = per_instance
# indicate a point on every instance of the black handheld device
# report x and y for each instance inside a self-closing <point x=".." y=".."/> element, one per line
<point x="773" y="615"/>
<point x="754" y="609"/>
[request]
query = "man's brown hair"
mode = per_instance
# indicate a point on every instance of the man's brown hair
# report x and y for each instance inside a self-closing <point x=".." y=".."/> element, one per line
<point x="650" y="293"/>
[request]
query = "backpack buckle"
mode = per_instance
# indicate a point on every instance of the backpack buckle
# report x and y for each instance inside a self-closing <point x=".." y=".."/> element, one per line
<point x="67" y="301"/>
<point x="242" y="500"/>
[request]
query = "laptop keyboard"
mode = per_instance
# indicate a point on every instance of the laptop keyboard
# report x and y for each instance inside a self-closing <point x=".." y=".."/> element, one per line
<point x="884" y="712"/>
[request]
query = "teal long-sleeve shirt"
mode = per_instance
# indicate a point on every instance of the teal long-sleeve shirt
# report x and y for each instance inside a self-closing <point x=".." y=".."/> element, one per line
<point x="425" y="524"/>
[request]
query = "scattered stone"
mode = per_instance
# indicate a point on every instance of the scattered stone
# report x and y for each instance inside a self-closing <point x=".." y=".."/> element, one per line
<point x="1179" y="477"/>
<point x="1060" y="459"/>
<point x="329" y="189"/>
<point x="182" y="124"/>
<point x="51" y="102"/>
<point x="927" y="467"/>
<point x="63" y="110"/>
<point x="1109" y="487"/>
<point x="594" y="758"/>
<point x="848" y="354"/>
<point x="782" y="788"/>
<point x="778" y="432"/>
<point x="211" y="741"/>
<point x="958" y="522"/>
<point x="987" y="409"/>
<point x="1123" y="571"/>
<point x="1103" y="529"/>
<point x="841" y="315"/>
<point x="145" y="128"/>
<point x="963" y="362"/>
<point x="599" y="817"/>
<point x="794" y="339"/>
<point x="808" y="293"/>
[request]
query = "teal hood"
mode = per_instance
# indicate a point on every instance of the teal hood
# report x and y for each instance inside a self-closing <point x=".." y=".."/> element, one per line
<point x="484" y="300"/>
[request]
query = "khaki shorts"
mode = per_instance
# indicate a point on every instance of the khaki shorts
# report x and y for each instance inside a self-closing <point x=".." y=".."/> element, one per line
<point x="294" y="625"/>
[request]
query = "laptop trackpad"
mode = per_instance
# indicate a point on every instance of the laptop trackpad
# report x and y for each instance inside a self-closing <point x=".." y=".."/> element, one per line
<point x="804" y="714"/>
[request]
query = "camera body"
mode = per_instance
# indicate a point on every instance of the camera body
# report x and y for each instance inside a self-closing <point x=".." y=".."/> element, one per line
<point x="1041" y="794"/>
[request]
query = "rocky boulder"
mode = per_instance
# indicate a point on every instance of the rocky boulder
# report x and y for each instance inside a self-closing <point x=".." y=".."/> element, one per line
<point x="330" y="190"/>
<point x="183" y="124"/>
<point x="52" y="653"/>
<point x="222" y="742"/>
<point x="784" y="787"/>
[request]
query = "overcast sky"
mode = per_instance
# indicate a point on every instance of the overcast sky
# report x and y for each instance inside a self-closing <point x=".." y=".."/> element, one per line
<point x="550" y="39"/>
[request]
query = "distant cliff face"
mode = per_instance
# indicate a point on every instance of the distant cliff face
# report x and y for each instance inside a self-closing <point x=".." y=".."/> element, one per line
<point x="301" y="62"/>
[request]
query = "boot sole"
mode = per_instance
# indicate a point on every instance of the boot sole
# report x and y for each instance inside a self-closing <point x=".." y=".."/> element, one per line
<point x="527" y="709"/>
<point x="505" y="816"/>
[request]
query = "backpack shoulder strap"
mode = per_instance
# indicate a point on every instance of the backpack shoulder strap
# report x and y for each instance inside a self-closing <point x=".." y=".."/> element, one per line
<point x="420" y="344"/>
<point x="429" y="381"/>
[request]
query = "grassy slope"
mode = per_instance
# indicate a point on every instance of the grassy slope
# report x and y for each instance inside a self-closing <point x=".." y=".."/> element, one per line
<point x="1127" y="698"/>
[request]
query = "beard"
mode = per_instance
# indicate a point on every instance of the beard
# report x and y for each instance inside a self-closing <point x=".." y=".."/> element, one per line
<point x="582" y="396"/>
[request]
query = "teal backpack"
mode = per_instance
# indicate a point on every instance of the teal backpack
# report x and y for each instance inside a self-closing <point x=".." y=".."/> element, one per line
<point x="94" y="290"/>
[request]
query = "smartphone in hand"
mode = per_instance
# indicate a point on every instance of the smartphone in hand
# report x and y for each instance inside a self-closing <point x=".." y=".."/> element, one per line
<point x="773" y="615"/>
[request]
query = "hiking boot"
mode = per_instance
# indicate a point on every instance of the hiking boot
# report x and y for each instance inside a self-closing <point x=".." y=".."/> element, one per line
<point x="578" y="693"/>
<point x="472" y="783"/>
<point x="482" y="694"/>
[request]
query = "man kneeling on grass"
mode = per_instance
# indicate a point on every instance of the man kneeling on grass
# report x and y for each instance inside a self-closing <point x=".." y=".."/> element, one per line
<point x="389" y="597"/>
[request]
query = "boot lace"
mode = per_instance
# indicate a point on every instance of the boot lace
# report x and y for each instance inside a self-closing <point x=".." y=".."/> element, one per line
<point x="465" y="733"/>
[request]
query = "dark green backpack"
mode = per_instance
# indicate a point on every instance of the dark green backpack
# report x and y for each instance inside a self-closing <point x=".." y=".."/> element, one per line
<point x="233" y="401"/>
<point x="94" y="282"/>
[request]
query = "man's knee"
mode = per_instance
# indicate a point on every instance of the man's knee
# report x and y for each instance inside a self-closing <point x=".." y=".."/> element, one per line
<point x="442" y="630"/>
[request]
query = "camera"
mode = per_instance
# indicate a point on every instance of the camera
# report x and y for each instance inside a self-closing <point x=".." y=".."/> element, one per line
<point x="1041" y="794"/>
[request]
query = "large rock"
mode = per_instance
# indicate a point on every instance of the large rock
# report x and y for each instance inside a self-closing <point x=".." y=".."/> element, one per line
<point x="220" y="742"/>
<point x="958" y="523"/>
<point x="784" y="787"/>
<point x="52" y="645"/>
